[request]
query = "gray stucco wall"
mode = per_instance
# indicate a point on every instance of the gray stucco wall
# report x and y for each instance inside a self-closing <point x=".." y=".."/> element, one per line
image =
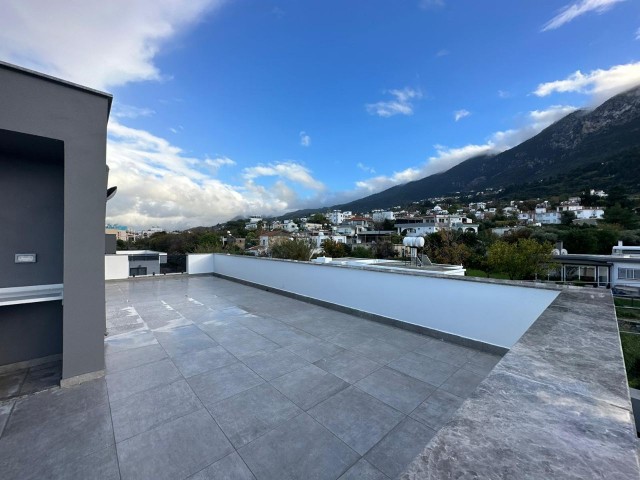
<point x="32" y="215"/>
<point x="37" y="328"/>
<point x="40" y="106"/>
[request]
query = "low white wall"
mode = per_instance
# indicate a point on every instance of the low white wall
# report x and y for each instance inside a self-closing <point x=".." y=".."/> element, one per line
<point x="199" y="263"/>
<point x="116" y="267"/>
<point x="492" y="313"/>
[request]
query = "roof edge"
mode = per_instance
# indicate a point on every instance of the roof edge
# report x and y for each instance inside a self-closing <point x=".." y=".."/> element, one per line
<point x="66" y="83"/>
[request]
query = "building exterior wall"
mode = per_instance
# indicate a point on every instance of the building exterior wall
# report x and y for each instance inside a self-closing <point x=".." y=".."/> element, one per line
<point x="116" y="267"/>
<point x="36" y="105"/>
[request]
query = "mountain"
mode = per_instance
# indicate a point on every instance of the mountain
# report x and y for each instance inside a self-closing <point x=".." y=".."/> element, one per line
<point x="586" y="144"/>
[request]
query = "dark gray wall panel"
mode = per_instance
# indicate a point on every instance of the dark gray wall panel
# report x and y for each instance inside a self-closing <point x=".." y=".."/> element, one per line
<point x="32" y="330"/>
<point x="32" y="216"/>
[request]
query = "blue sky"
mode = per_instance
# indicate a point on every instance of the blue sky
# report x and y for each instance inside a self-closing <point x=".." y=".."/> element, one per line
<point x="226" y="108"/>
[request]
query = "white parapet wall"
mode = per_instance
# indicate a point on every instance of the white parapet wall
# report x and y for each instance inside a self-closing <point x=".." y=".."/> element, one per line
<point x="199" y="263"/>
<point x="492" y="312"/>
<point x="116" y="267"/>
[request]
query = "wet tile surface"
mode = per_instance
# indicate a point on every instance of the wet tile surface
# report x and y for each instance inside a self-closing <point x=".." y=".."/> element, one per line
<point x="209" y="379"/>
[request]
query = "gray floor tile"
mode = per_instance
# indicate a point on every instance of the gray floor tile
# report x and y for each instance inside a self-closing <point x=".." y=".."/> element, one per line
<point x="250" y="414"/>
<point x="42" y="377"/>
<point x="126" y="359"/>
<point x="141" y="337"/>
<point x="35" y="411"/>
<point x="379" y="351"/>
<point x="356" y="418"/>
<point x="230" y="467"/>
<point x="102" y="465"/>
<point x="286" y="336"/>
<point x="314" y="349"/>
<point x="462" y="383"/>
<point x="398" y="449"/>
<point x="346" y="339"/>
<point x="224" y="382"/>
<point x="274" y="364"/>
<point x="247" y="344"/>
<point x="5" y="410"/>
<point x="436" y="410"/>
<point x="181" y="340"/>
<point x="298" y="449"/>
<point x="309" y="386"/>
<point x="60" y="440"/>
<point x="175" y="449"/>
<point x="363" y="470"/>
<point x="125" y="383"/>
<point x="396" y="389"/>
<point x="482" y="363"/>
<point x="348" y="366"/>
<point x="146" y="410"/>
<point x="447" y="352"/>
<point x="200" y="361"/>
<point x="424" y="368"/>
<point x="10" y="383"/>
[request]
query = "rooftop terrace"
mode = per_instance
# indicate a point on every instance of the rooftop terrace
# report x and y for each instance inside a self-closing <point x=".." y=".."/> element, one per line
<point x="211" y="378"/>
<point x="207" y="377"/>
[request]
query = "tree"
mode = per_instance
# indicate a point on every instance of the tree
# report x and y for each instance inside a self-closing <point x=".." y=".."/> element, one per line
<point x="525" y="259"/>
<point x="292" y="250"/>
<point x="121" y="245"/>
<point x="318" y="218"/>
<point x="383" y="249"/>
<point x="331" y="248"/>
<point x="619" y="215"/>
<point x="388" y="224"/>
<point x="448" y="247"/>
<point x="567" y="217"/>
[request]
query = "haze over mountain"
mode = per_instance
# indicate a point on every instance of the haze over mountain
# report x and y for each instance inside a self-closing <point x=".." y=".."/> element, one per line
<point x="599" y="140"/>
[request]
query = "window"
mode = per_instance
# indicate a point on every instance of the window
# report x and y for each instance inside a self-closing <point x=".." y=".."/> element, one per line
<point x="629" y="273"/>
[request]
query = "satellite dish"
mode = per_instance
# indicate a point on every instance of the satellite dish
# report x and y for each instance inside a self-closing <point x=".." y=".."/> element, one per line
<point x="111" y="192"/>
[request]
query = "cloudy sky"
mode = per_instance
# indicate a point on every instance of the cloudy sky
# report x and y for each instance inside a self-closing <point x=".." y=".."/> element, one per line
<point x="237" y="107"/>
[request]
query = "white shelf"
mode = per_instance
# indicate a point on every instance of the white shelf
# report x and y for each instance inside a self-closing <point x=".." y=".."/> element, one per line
<point x="30" y="294"/>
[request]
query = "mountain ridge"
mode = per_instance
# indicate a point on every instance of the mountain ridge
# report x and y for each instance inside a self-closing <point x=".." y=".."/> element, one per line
<point x="581" y="138"/>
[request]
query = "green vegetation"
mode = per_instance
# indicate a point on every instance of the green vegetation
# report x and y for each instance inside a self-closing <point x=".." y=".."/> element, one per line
<point x="292" y="250"/>
<point x="331" y="248"/>
<point x="473" y="272"/>
<point x="631" y="352"/>
<point x="522" y="260"/>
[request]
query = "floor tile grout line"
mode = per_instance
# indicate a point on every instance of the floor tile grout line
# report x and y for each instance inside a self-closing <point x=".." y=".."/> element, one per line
<point x="113" y="430"/>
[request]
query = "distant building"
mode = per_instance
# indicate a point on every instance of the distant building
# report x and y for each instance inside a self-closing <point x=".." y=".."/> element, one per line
<point x="380" y="216"/>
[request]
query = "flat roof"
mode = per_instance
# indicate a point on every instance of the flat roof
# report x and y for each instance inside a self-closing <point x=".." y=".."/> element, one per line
<point x="50" y="78"/>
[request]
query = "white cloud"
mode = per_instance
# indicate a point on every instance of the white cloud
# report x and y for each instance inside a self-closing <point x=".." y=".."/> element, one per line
<point x="365" y="168"/>
<point x="305" y="139"/>
<point x="159" y="184"/>
<point x="100" y="44"/>
<point x="218" y="162"/>
<point x="504" y="94"/>
<point x="402" y="104"/>
<point x="129" y="111"/>
<point x="638" y="34"/>
<point x="460" y="114"/>
<point x="446" y="157"/>
<point x="601" y="84"/>
<point x="289" y="170"/>
<point x="442" y="53"/>
<point x="574" y="10"/>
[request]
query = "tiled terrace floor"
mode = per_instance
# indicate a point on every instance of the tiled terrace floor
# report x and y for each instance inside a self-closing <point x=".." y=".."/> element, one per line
<point x="209" y="379"/>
